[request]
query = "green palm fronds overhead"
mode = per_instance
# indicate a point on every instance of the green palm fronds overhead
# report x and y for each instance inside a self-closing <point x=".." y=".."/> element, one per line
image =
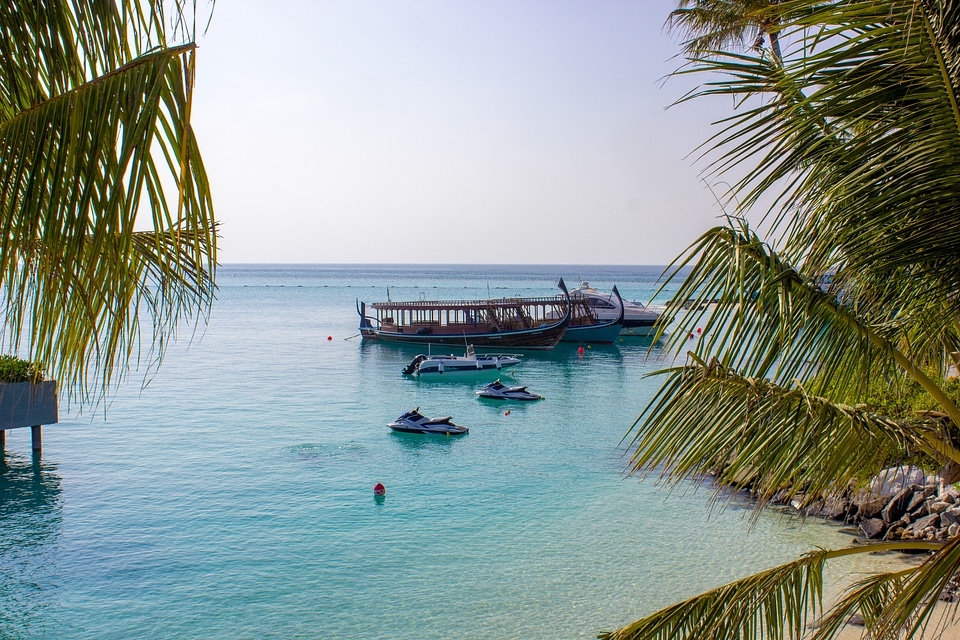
<point x="109" y="237"/>
<point x="849" y="140"/>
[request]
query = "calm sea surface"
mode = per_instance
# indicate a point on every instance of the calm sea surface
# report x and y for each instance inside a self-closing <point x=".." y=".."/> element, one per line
<point x="232" y="497"/>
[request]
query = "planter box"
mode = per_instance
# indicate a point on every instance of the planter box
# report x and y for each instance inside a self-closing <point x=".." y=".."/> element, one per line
<point x="25" y="404"/>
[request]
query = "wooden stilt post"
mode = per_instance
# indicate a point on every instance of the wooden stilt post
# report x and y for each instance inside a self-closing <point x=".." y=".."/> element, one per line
<point x="3" y="440"/>
<point x="35" y="436"/>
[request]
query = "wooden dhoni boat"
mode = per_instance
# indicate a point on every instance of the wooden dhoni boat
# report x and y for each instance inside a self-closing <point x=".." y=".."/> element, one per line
<point x="517" y="323"/>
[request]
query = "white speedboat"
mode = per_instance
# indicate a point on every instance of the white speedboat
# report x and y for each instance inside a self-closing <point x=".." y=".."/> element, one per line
<point x="638" y="320"/>
<point x="499" y="391"/>
<point x="415" y="422"/>
<point x="458" y="366"/>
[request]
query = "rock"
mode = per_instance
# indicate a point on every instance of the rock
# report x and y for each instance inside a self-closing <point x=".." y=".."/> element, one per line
<point x="856" y="620"/>
<point x="834" y="507"/>
<point x="950" y="516"/>
<point x="916" y="501"/>
<point x="892" y="481"/>
<point x="897" y="506"/>
<point x="868" y="506"/>
<point x="780" y="497"/>
<point x="894" y="533"/>
<point x="873" y="527"/>
<point x="950" y="494"/>
<point x="924" y="527"/>
<point x="938" y="507"/>
<point x="953" y="529"/>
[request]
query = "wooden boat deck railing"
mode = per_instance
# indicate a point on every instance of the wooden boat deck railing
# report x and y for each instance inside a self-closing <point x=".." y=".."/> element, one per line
<point x="468" y="304"/>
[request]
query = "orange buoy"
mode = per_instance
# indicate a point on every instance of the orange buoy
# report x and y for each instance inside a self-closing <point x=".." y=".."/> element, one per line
<point x="379" y="490"/>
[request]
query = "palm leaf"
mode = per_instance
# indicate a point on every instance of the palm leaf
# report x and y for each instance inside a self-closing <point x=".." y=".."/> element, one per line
<point x="865" y="100"/>
<point x="771" y="321"/>
<point x="772" y="605"/>
<point x="707" y="420"/>
<point x="76" y="170"/>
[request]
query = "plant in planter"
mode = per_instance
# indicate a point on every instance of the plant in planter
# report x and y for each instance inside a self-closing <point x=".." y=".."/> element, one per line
<point x="26" y="399"/>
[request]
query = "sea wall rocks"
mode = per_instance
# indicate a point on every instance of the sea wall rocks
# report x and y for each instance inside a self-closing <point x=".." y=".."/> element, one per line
<point x="900" y="503"/>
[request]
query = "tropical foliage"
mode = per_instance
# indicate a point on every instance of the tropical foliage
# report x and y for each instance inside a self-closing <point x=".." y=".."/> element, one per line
<point x="850" y="143"/>
<point x="108" y="235"/>
<point x="14" y="369"/>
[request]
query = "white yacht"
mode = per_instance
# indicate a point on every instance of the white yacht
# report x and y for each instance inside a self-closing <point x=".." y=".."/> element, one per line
<point x="470" y="363"/>
<point x="638" y="320"/>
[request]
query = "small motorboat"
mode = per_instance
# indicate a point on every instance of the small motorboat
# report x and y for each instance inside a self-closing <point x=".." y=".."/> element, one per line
<point x="470" y="362"/>
<point x="415" y="422"/>
<point x="499" y="391"/>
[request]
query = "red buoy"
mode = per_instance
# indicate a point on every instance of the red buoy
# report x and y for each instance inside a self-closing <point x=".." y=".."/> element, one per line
<point x="691" y="337"/>
<point x="580" y="350"/>
<point x="698" y="329"/>
<point x="329" y="337"/>
<point x="379" y="490"/>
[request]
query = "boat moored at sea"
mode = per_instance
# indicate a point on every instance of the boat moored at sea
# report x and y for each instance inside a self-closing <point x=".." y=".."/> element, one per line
<point x="589" y="326"/>
<point x="470" y="363"/>
<point x="638" y="320"/>
<point x="415" y="422"/>
<point x="516" y="323"/>
<point x="499" y="391"/>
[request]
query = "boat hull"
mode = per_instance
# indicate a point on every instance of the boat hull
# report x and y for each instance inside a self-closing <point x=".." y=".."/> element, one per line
<point x="540" y="338"/>
<point x="458" y="431"/>
<point x="527" y="397"/>
<point x="639" y="328"/>
<point x="596" y="334"/>
<point x="474" y="373"/>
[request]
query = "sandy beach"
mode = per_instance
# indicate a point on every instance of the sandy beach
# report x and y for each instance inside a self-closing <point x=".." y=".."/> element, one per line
<point x="943" y="625"/>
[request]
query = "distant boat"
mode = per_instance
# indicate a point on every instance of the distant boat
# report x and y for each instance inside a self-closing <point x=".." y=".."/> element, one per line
<point x="588" y="325"/>
<point x="638" y="320"/>
<point x="516" y="323"/>
<point x="458" y="366"/>
<point x="415" y="422"/>
<point x="499" y="391"/>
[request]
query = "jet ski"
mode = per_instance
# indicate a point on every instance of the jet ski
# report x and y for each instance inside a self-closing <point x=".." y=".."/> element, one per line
<point x="415" y="422"/>
<point x="499" y="391"/>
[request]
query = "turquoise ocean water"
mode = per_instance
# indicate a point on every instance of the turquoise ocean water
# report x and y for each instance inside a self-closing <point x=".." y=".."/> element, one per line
<point x="232" y="497"/>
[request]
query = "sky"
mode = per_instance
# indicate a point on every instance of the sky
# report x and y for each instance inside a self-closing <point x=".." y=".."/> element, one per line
<point x="450" y="131"/>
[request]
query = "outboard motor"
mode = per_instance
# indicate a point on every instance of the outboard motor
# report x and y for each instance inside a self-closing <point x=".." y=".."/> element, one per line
<point x="412" y="367"/>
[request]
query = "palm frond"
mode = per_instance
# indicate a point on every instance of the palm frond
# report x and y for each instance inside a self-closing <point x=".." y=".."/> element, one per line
<point x="900" y="604"/>
<point x="707" y="420"/>
<point x="75" y="172"/>
<point x="767" y="319"/>
<point x="865" y="100"/>
<point x="716" y="25"/>
<point x="770" y="321"/>
<point x="770" y="605"/>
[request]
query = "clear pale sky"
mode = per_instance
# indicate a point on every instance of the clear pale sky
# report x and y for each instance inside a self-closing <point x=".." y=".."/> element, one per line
<point x="450" y="131"/>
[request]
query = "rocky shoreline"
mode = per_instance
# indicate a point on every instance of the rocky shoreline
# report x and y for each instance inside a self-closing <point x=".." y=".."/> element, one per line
<point x="901" y="503"/>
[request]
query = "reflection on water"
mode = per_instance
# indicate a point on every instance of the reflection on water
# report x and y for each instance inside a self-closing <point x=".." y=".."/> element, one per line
<point x="419" y="443"/>
<point x="30" y="522"/>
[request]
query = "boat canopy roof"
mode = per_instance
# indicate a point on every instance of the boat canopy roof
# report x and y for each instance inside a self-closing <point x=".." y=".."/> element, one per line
<point x="466" y="305"/>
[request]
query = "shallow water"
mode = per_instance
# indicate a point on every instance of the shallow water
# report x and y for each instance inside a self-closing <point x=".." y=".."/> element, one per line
<point x="233" y="496"/>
